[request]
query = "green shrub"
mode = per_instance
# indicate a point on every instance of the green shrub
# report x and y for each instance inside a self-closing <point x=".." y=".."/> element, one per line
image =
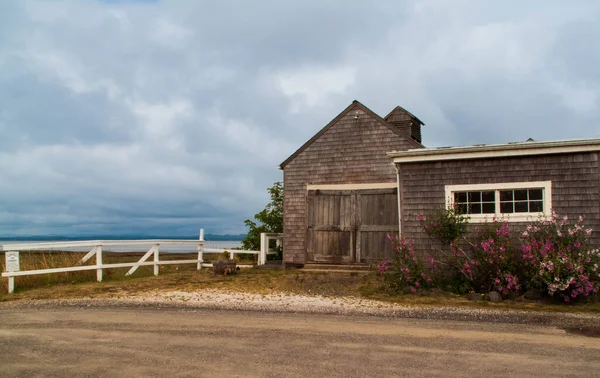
<point x="446" y="225"/>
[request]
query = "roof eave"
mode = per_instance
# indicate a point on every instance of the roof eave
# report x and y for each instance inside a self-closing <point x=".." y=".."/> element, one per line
<point x="499" y="150"/>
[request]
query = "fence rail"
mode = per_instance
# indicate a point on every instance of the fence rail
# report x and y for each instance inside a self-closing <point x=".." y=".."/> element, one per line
<point x="154" y="253"/>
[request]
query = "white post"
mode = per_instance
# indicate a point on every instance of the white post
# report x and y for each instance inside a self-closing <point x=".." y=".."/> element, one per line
<point x="156" y="266"/>
<point x="99" y="263"/>
<point x="231" y="255"/>
<point x="200" y="249"/>
<point x="11" y="285"/>
<point x="264" y="248"/>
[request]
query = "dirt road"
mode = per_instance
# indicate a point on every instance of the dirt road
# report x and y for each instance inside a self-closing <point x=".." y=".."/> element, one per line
<point x="100" y="342"/>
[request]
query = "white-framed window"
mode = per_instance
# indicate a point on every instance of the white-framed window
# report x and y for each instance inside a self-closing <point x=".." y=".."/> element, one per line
<point x="516" y="201"/>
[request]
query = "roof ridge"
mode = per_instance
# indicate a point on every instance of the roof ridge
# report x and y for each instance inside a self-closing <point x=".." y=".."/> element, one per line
<point x="354" y="104"/>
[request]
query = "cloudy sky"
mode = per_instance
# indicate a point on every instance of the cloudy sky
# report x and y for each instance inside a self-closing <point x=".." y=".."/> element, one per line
<point x="162" y="117"/>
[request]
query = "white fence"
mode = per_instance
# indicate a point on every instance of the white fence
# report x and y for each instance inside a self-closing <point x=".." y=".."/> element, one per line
<point x="97" y="247"/>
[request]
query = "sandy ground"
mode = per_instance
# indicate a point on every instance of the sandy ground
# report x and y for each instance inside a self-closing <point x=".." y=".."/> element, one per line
<point x="210" y="299"/>
<point x="49" y="341"/>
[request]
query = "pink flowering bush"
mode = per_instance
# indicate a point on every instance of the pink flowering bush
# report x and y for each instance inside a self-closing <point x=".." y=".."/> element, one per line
<point x="488" y="262"/>
<point x="405" y="271"/>
<point x="553" y="256"/>
<point x="558" y="259"/>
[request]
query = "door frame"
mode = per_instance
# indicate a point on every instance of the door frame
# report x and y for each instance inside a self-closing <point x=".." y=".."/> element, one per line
<point x="356" y="227"/>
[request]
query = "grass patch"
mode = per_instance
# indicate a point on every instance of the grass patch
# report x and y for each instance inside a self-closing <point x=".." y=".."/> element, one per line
<point x="187" y="278"/>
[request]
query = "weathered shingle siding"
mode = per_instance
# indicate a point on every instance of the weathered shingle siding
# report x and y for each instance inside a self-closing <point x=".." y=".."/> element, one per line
<point x="575" y="186"/>
<point x="350" y="151"/>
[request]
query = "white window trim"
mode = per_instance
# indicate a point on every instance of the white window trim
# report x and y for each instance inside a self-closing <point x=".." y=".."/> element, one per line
<point x="512" y="217"/>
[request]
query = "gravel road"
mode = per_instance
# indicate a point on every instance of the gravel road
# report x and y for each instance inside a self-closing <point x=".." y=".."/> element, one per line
<point x="49" y="341"/>
<point x="181" y="334"/>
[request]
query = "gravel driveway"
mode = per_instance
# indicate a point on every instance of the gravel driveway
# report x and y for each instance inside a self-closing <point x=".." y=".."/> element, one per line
<point x="173" y="338"/>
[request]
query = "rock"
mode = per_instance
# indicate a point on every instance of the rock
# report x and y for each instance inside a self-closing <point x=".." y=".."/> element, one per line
<point x="435" y="292"/>
<point x="494" y="296"/>
<point x="521" y="299"/>
<point x="407" y="290"/>
<point x="475" y="297"/>
<point x="533" y="295"/>
<point x="224" y="267"/>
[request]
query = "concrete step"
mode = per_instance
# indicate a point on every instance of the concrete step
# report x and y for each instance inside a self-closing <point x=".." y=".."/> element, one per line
<point x="337" y="267"/>
<point x="362" y="271"/>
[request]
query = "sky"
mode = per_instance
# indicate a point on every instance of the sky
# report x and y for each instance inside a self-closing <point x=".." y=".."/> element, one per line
<point x="164" y="117"/>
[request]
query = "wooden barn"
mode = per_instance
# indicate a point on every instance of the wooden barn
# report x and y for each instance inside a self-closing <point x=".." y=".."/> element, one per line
<point x="340" y="188"/>
<point x="363" y="177"/>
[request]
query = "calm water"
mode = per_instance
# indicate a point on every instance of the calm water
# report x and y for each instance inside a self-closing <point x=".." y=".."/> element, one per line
<point x="142" y="248"/>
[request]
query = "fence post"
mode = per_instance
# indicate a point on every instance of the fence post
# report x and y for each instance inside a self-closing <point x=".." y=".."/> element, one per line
<point x="264" y="248"/>
<point x="156" y="259"/>
<point x="200" y="249"/>
<point x="11" y="285"/>
<point x="99" y="263"/>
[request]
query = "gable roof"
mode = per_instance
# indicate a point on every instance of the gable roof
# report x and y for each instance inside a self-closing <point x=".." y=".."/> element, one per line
<point x="401" y="110"/>
<point x="354" y="105"/>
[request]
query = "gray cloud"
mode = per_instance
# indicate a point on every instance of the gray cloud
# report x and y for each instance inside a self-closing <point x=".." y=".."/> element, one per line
<point x="167" y="116"/>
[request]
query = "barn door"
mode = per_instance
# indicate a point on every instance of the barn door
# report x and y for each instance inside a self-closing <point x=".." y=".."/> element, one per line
<point x="351" y="226"/>
<point x="377" y="218"/>
<point x="331" y="227"/>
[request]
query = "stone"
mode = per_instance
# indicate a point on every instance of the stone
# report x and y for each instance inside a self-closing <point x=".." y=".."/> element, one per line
<point x="475" y="297"/>
<point x="224" y="267"/>
<point x="533" y="295"/>
<point x="494" y="296"/>
<point x="407" y="290"/>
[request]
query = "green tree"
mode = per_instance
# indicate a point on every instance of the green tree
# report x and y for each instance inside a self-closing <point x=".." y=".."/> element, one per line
<point x="269" y="220"/>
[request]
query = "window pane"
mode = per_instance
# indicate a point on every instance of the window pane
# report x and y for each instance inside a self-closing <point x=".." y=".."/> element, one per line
<point x="461" y="208"/>
<point x="521" y="207"/>
<point x="489" y="208"/>
<point x="506" y="207"/>
<point x="536" y="206"/>
<point x="474" y="196"/>
<point x="535" y="194"/>
<point x="460" y="197"/>
<point x="475" y="208"/>
<point x="521" y="195"/>
<point x="506" y="195"/>
<point x="487" y="196"/>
